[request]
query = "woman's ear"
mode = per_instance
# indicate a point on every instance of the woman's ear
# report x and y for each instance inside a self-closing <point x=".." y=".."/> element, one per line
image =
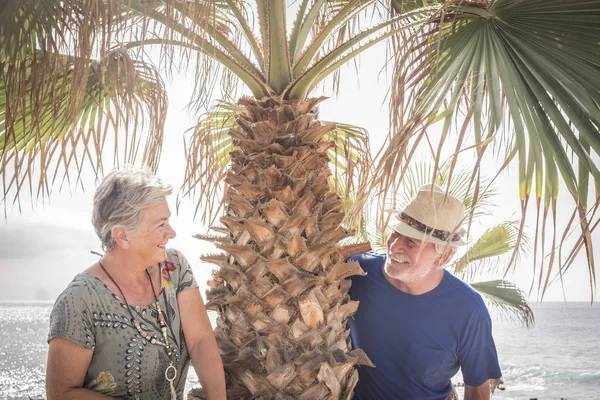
<point x="120" y="237"/>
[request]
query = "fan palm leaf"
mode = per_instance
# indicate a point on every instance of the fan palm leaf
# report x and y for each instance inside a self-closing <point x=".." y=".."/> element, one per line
<point x="526" y="76"/>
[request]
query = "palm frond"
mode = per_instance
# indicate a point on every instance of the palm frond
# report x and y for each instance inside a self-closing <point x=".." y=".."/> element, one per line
<point x="311" y="70"/>
<point x="477" y="195"/>
<point x="305" y="20"/>
<point x="25" y="25"/>
<point x="208" y="33"/>
<point x="240" y="17"/>
<point x="279" y="69"/>
<point x="458" y="184"/>
<point x="306" y="57"/>
<point x="488" y="255"/>
<point x="534" y="73"/>
<point x="207" y="159"/>
<point x="45" y="31"/>
<point x="404" y="6"/>
<point x="42" y="133"/>
<point x="504" y="297"/>
<point x="350" y="162"/>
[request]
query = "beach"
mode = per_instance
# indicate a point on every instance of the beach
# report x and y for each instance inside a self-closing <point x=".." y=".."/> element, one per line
<point x="556" y="359"/>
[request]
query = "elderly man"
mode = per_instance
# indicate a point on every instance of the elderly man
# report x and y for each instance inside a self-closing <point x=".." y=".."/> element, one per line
<point x="417" y="322"/>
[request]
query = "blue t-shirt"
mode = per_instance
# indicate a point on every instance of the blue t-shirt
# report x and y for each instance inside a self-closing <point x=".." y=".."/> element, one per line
<point x="418" y="343"/>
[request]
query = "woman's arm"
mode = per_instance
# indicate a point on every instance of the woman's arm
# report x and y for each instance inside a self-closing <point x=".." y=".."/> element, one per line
<point x="201" y="343"/>
<point x="65" y="371"/>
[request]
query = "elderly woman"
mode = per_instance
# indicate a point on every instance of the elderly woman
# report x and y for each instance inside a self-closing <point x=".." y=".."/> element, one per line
<point x="128" y="325"/>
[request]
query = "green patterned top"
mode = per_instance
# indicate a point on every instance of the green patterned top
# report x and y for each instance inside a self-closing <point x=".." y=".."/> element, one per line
<point x="124" y="365"/>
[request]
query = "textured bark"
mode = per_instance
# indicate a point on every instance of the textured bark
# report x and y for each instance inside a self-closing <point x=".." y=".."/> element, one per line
<point x="281" y="327"/>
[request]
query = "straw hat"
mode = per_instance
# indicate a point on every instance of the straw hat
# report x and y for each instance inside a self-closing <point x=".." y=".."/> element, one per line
<point x="432" y="216"/>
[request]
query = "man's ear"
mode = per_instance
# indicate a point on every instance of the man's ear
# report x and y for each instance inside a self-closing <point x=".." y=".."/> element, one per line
<point x="445" y="256"/>
<point x="120" y="237"/>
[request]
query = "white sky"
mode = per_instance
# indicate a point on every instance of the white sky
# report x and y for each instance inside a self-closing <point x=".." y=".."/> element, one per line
<point x="43" y="247"/>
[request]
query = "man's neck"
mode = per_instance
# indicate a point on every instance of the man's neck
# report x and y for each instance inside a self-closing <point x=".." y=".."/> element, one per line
<point x="418" y="286"/>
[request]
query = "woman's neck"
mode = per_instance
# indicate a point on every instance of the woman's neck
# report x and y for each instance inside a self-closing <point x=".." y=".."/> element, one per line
<point x="127" y="278"/>
<point x="123" y="268"/>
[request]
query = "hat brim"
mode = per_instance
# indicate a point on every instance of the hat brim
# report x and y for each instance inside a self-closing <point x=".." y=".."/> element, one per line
<point x="406" y="230"/>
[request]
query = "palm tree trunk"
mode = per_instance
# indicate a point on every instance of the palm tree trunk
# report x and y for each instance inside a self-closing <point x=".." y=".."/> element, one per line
<point x="281" y="327"/>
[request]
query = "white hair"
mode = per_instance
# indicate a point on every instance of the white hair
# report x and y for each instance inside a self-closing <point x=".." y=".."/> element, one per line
<point x="119" y="199"/>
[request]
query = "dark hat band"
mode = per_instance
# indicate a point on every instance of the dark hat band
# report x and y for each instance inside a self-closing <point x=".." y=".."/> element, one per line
<point x="436" y="233"/>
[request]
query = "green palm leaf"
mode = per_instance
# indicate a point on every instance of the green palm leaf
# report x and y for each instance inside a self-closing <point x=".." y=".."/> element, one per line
<point x="507" y="299"/>
<point x="527" y="73"/>
<point x="495" y="242"/>
<point x="350" y="161"/>
<point x="25" y="24"/>
<point x="207" y="160"/>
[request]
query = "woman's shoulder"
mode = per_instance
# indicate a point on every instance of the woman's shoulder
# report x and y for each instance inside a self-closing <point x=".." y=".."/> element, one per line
<point x="76" y="297"/>
<point x="80" y="287"/>
<point x="176" y="271"/>
<point x="175" y="261"/>
<point x="175" y="255"/>
<point x="71" y="316"/>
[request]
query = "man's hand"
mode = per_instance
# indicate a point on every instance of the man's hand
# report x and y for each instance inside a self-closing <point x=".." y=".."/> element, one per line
<point x="215" y="283"/>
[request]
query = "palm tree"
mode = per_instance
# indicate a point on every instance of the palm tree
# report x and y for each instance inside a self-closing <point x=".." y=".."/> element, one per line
<point x="71" y="71"/>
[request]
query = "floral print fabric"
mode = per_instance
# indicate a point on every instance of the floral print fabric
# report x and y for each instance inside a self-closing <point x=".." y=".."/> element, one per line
<point x="124" y="365"/>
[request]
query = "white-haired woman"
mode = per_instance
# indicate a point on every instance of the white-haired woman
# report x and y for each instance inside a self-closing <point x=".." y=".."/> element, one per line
<point x="128" y="325"/>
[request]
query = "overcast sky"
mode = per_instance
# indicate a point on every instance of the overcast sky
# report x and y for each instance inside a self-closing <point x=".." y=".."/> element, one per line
<point x="43" y="247"/>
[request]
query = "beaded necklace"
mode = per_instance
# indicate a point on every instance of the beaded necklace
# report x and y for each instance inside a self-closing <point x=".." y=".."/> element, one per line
<point x="171" y="371"/>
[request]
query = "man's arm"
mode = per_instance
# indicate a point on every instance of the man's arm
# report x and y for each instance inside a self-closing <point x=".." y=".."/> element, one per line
<point x="481" y="392"/>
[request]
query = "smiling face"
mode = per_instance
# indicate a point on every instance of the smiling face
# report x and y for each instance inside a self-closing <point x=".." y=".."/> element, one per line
<point x="148" y="242"/>
<point x="410" y="260"/>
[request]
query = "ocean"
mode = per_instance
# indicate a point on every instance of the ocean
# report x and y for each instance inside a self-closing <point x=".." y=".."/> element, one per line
<point x="559" y="358"/>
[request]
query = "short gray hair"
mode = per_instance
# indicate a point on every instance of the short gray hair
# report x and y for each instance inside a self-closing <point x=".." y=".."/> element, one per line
<point x="119" y="199"/>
